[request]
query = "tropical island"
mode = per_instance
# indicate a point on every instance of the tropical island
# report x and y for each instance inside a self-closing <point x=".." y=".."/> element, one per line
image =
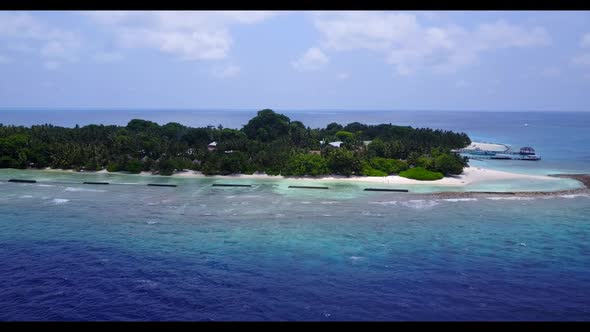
<point x="269" y="143"/>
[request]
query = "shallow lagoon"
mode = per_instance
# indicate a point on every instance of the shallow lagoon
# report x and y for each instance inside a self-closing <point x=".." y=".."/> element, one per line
<point x="196" y="252"/>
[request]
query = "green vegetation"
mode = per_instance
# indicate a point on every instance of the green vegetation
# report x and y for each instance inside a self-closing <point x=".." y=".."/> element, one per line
<point x="269" y="143"/>
<point x="420" y="173"/>
<point x="306" y="164"/>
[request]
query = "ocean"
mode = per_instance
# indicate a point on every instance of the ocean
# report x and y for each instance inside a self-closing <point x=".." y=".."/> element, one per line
<point x="195" y="252"/>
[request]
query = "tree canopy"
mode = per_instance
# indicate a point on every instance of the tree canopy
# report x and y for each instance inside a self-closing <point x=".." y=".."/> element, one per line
<point x="269" y="142"/>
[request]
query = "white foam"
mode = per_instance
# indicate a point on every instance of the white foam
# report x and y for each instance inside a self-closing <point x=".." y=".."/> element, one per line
<point x="385" y="203"/>
<point x="370" y="214"/>
<point x="511" y="198"/>
<point x="25" y="196"/>
<point x="330" y="202"/>
<point x="459" y="199"/>
<point x="75" y="189"/>
<point x="151" y="222"/>
<point x="46" y="185"/>
<point x="60" y="200"/>
<point x="420" y="204"/>
<point x="305" y="202"/>
<point x="355" y="258"/>
<point x="574" y="195"/>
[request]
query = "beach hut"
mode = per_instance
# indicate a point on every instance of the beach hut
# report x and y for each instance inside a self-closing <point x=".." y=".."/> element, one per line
<point x="335" y="144"/>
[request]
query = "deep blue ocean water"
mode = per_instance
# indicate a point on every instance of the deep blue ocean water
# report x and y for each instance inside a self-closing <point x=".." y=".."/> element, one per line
<point x="196" y="252"/>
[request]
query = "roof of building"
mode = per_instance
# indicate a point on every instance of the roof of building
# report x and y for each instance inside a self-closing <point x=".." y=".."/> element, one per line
<point x="213" y="144"/>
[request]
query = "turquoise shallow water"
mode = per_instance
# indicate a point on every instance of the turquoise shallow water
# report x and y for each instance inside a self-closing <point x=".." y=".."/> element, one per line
<point x="203" y="253"/>
<point x="195" y="252"/>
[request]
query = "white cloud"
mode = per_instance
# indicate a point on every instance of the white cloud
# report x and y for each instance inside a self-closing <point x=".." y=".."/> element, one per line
<point x="582" y="60"/>
<point x="227" y="72"/>
<point x="551" y="72"/>
<point x="24" y="33"/>
<point x="191" y="35"/>
<point x="106" y="57"/>
<point x="409" y="45"/>
<point x="343" y="76"/>
<point x="585" y="42"/>
<point x="312" y="59"/>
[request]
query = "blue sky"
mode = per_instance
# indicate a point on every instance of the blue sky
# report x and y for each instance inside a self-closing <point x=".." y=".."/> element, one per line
<point x="296" y="60"/>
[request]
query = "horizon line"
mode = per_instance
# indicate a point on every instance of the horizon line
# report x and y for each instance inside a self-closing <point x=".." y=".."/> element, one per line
<point x="274" y="109"/>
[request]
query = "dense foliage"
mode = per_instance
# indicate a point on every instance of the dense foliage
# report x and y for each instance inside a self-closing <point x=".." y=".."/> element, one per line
<point x="421" y="173"/>
<point x="269" y="143"/>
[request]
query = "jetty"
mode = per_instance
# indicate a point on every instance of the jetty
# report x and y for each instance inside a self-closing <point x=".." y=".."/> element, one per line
<point x="480" y="151"/>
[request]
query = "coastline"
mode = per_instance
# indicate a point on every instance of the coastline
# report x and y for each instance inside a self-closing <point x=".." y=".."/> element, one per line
<point x="470" y="175"/>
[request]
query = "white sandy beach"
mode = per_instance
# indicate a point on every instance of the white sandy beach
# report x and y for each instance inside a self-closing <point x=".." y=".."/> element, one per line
<point x="469" y="176"/>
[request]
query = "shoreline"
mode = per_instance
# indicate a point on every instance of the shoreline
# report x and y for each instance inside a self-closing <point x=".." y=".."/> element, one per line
<point x="471" y="175"/>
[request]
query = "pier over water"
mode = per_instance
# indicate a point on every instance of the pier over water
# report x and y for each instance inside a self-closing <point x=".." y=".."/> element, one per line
<point x="479" y="150"/>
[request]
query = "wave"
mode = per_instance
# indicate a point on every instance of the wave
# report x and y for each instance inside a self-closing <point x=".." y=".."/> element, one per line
<point x="60" y="200"/>
<point x="371" y="214"/>
<point x="25" y="196"/>
<point x="420" y="204"/>
<point x="384" y="203"/>
<point x="75" y="189"/>
<point x="46" y="185"/>
<point x="459" y="199"/>
<point x="511" y="198"/>
<point x="574" y="195"/>
<point x="330" y="202"/>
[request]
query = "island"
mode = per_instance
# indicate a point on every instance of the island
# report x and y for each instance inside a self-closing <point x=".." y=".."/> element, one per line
<point x="270" y="144"/>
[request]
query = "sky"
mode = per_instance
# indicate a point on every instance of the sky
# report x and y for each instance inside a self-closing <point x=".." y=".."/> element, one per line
<point x="301" y="60"/>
